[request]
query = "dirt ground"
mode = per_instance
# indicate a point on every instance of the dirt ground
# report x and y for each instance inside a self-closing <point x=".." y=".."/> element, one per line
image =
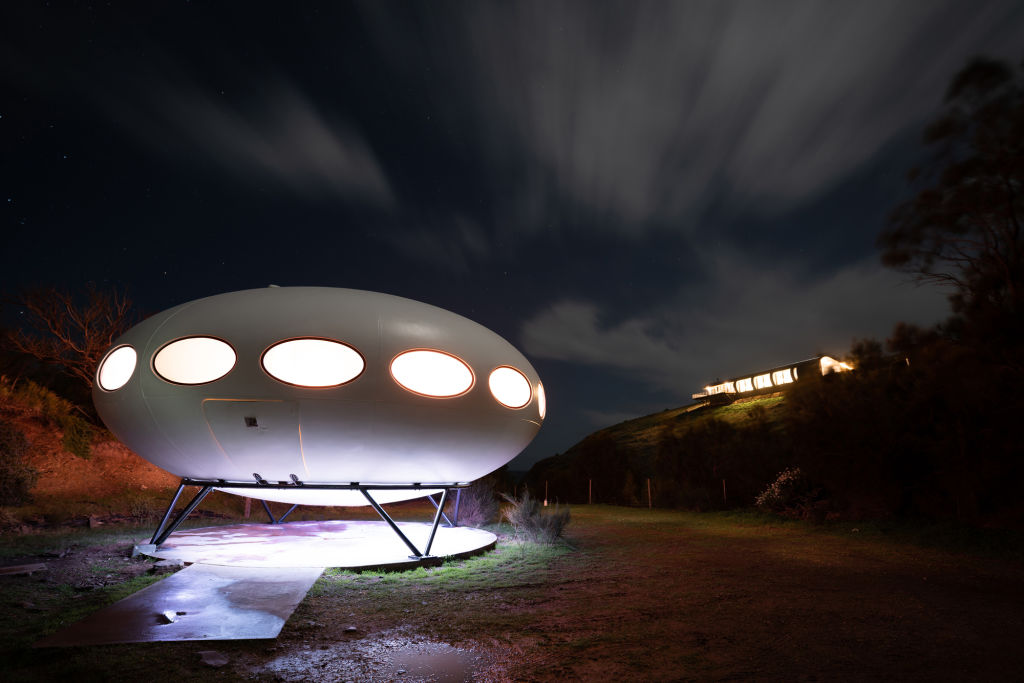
<point x="634" y="595"/>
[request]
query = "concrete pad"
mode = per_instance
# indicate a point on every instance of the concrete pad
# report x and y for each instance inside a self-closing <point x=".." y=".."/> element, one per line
<point x="345" y="544"/>
<point x="200" y="602"/>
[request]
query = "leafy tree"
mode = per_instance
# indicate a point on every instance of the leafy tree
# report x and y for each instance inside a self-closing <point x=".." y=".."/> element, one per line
<point x="964" y="227"/>
<point x="71" y="333"/>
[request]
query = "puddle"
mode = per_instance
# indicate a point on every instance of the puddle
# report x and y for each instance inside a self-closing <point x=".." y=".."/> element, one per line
<point x="386" y="657"/>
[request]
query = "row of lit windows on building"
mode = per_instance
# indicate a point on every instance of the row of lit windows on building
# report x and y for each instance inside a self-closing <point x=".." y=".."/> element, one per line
<point x="765" y="381"/>
<point x="321" y="364"/>
<point x="776" y="378"/>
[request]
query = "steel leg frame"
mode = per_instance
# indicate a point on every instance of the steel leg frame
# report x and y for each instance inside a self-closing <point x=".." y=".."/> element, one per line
<point x="165" y="530"/>
<point x="417" y="555"/>
<point x="280" y="519"/>
<point x="431" y="499"/>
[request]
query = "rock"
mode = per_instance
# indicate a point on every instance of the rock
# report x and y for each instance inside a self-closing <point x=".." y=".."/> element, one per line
<point x="213" y="658"/>
<point x="350" y="629"/>
<point x="168" y="616"/>
<point x="166" y="567"/>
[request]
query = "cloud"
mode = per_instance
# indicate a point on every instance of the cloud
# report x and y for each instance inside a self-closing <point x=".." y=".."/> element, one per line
<point x="276" y="137"/>
<point x="746" y="317"/>
<point x="646" y="113"/>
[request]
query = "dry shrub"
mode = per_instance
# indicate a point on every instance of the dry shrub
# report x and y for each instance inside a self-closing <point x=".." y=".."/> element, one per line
<point x="530" y="521"/>
<point x="477" y="504"/>
<point x="792" y="495"/>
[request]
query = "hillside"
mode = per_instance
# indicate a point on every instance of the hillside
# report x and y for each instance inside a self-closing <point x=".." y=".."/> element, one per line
<point x="686" y="452"/>
<point x="105" y="478"/>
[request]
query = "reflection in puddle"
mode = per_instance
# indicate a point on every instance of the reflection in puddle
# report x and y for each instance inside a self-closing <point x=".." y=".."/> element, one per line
<point x="390" y="656"/>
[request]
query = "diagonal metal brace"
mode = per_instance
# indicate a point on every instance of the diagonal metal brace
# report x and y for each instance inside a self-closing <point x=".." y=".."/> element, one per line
<point x="416" y="554"/>
<point x="270" y="514"/>
<point x="440" y="507"/>
<point x="165" y="529"/>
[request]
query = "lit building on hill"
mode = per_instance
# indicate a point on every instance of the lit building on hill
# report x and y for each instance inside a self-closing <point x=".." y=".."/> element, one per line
<point x="774" y="379"/>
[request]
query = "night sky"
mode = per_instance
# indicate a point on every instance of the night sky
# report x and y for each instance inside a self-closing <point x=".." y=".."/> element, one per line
<point x="641" y="197"/>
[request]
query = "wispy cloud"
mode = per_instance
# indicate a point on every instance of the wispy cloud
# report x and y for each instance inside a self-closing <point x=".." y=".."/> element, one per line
<point x="276" y="138"/>
<point x="645" y="112"/>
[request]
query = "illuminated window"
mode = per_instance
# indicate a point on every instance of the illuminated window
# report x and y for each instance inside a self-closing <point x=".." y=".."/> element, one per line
<point x="763" y="381"/>
<point x="117" y="368"/>
<point x="194" y="360"/>
<point x="723" y="388"/>
<point x="431" y="373"/>
<point x="313" y="362"/>
<point x="744" y="385"/>
<point x="796" y="374"/>
<point x="782" y="377"/>
<point x="510" y="387"/>
<point x="542" y="401"/>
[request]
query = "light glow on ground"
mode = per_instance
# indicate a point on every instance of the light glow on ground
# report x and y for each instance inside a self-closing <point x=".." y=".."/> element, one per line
<point x="343" y="544"/>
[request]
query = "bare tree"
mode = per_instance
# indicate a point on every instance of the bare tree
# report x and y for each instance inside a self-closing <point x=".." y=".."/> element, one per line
<point x="71" y="332"/>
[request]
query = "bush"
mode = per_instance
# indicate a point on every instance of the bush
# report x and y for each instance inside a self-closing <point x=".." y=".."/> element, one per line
<point x="16" y="476"/>
<point x="477" y="505"/>
<point x="527" y="517"/>
<point x="78" y="435"/>
<point x="792" y="495"/>
<point x="45" y="404"/>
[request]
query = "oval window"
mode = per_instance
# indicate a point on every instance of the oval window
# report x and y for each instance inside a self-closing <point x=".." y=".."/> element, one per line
<point x="510" y="387"/>
<point x="194" y="360"/>
<point x="117" y="368"/>
<point x="313" y="362"/>
<point x="542" y="401"/>
<point x="432" y="373"/>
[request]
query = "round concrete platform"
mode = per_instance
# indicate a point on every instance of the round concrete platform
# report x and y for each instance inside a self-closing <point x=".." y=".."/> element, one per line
<point x="348" y="545"/>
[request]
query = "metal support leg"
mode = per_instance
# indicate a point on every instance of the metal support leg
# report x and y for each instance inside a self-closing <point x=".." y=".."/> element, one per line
<point x="167" y="515"/>
<point x="431" y="499"/>
<point x="269" y="513"/>
<point x="455" y="515"/>
<point x="290" y="510"/>
<point x="394" y="527"/>
<point x="437" y="518"/>
<point x="162" y="533"/>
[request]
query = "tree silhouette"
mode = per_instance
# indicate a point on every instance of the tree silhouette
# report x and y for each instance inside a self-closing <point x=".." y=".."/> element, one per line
<point x="69" y="333"/>
<point x="963" y="228"/>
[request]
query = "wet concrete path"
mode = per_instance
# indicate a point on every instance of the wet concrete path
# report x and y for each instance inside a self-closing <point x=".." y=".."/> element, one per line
<point x="200" y="602"/>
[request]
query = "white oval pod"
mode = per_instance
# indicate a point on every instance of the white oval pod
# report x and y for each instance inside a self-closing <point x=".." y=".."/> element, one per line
<point x="509" y="387"/>
<point x="542" y="401"/>
<point x="117" y="368"/>
<point x="386" y="426"/>
<point x="313" y="362"/>
<point x="194" y="360"/>
<point x="432" y="373"/>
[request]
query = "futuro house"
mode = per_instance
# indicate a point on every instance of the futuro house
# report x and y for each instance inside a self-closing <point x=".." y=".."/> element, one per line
<point x="315" y="395"/>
